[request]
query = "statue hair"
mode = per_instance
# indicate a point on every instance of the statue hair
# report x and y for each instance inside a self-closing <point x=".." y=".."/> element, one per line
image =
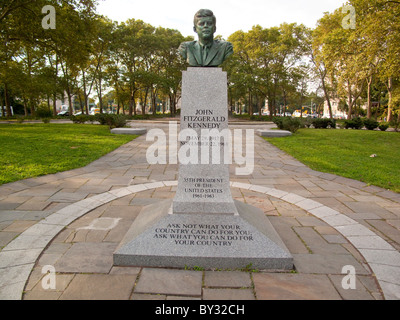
<point x="202" y="13"/>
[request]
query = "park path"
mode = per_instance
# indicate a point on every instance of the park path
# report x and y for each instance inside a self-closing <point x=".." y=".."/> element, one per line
<point x="74" y="220"/>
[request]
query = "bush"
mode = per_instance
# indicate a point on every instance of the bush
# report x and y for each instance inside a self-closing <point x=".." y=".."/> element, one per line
<point x="101" y="118"/>
<point x="82" y="118"/>
<point x="279" y="122"/>
<point x="307" y="122"/>
<point x="319" y="123"/>
<point x="112" y="120"/>
<point x="383" y="126"/>
<point x="259" y="118"/>
<point x="395" y="123"/>
<point x="289" y="124"/>
<point x="119" y="120"/>
<point x="355" y="123"/>
<point x="370" y="124"/>
<point x="43" y="112"/>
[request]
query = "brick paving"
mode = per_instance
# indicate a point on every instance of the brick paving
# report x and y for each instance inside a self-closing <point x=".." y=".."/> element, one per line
<point x="74" y="220"/>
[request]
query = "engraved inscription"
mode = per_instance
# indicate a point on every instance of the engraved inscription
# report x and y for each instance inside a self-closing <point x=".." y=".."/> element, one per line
<point x="203" y="234"/>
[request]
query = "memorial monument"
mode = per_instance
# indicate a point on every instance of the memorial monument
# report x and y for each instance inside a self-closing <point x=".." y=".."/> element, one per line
<point x="203" y="225"/>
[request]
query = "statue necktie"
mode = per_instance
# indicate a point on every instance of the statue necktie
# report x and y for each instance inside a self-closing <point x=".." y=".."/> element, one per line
<point x="205" y="53"/>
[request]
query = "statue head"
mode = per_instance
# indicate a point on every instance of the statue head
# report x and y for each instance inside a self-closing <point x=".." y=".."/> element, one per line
<point x="205" y="24"/>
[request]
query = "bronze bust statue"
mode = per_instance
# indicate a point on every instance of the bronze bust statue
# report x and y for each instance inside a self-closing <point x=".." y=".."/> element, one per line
<point x="206" y="52"/>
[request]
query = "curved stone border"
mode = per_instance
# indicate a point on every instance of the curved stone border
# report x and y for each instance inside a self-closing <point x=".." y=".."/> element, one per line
<point x="18" y="258"/>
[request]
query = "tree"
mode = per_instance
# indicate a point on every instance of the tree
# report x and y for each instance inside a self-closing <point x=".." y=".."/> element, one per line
<point x="378" y="26"/>
<point x="24" y="41"/>
<point x="170" y="64"/>
<point x="341" y="51"/>
<point x="266" y="64"/>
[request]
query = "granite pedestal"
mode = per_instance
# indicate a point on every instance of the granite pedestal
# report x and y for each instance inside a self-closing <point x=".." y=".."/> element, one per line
<point x="203" y="185"/>
<point x="203" y="226"/>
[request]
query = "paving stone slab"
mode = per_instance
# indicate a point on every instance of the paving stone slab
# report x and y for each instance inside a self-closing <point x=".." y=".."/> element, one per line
<point x="99" y="287"/>
<point x="87" y="257"/>
<point x="228" y="294"/>
<point x="227" y="279"/>
<point x="294" y="287"/>
<point x="369" y="242"/>
<point x="357" y="293"/>
<point x="170" y="282"/>
<point x="387" y="257"/>
<point x="326" y="264"/>
<point x="12" y="281"/>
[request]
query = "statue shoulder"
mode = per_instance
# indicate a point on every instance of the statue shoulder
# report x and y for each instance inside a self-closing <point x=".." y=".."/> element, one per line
<point x="223" y="43"/>
<point x="227" y="47"/>
<point x="183" y="48"/>
<point x="185" y="45"/>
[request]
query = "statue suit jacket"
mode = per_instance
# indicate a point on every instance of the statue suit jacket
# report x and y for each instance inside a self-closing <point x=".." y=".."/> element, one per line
<point x="192" y="53"/>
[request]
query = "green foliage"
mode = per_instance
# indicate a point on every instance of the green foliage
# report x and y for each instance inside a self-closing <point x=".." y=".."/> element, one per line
<point x="279" y="122"/>
<point x="112" y="120"/>
<point x="82" y="118"/>
<point x="395" y="123"/>
<point x="322" y="123"/>
<point x="43" y="113"/>
<point x="259" y="118"/>
<point x="370" y="124"/>
<point x="347" y="153"/>
<point x="355" y="123"/>
<point x="288" y="123"/>
<point x="195" y="268"/>
<point x="383" y="126"/>
<point x="307" y="122"/>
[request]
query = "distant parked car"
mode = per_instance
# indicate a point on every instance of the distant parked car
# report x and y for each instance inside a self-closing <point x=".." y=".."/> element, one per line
<point x="64" y="113"/>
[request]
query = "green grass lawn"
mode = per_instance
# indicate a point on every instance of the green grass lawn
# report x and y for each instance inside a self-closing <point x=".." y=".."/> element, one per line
<point x="347" y="153"/>
<point x="31" y="150"/>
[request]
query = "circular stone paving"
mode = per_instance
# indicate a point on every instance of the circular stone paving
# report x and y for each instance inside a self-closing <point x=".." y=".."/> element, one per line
<point x="81" y="254"/>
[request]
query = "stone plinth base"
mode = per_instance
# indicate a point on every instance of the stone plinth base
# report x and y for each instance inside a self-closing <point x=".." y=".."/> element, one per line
<point x="158" y="238"/>
<point x="274" y="133"/>
<point x="131" y="131"/>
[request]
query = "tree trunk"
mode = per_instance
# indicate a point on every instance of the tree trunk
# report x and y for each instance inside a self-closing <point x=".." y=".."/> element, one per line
<point x="131" y="105"/>
<point x="328" y="100"/>
<point x="7" y="100"/>
<point x="154" y="100"/>
<point x="369" y="102"/>
<point x="85" y="95"/>
<point x="250" y="103"/>
<point x="69" y="94"/>
<point x="3" y="110"/>
<point x="390" y="103"/>
<point x="100" y="96"/>
<point x="349" y="101"/>
<point x="54" y="104"/>
<point x="48" y="103"/>
<point x="144" y="103"/>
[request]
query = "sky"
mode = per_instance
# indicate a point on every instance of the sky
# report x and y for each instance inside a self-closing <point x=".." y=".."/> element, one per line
<point x="232" y="15"/>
